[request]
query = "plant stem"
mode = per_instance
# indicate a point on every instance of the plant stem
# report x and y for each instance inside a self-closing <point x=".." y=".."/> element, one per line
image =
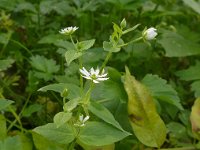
<point x="17" y="117"/>
<point x="105" y="61"/>
<point x="80" y="66"/>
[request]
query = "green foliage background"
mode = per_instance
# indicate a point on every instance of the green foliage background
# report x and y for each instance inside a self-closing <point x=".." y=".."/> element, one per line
<point x="32" y="55"/>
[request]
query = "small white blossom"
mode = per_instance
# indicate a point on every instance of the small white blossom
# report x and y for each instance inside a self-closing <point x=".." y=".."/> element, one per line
<point x="68" y="30"/>
<point x="150" y="33"/>
<point x="93" y="75"/>
<point x="82" y="120"/>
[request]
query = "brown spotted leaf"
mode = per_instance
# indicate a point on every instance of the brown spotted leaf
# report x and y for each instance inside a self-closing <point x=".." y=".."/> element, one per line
<point x="147" y="125"/>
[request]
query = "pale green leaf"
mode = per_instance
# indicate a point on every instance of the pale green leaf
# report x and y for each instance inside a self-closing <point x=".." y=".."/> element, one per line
<point x="99" y="134"/>
<point x="195" y="118"/>
<point x="84" y="45"/>
<point x="71" y="104"/>
<point x="108" y="46"/>
<point x="177" y="46"/>
<point x="42" y="143"/>
<point x="161" y="90"/>
<point x="71" y="55"/>
<point x="147" y="125"/>
<point x="59" y="87"/>
<point x="195" y="5"/>
<point x="49" y="39"/>
<point x="62" y="118"/>
<point x="11" y="143"/>
<point x="6" y="63"/>
<point x="63" y="135"/>
<point x="4" y="103"/>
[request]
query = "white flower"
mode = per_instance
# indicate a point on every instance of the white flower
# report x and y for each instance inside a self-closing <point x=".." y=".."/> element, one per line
<point x="94" y="75"/>
<point x="68" y="30"/>
<point x="82" y="120"/>
<point x="150" y="33"/>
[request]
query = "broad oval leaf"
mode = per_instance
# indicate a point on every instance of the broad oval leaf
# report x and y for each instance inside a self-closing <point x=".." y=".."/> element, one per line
<point x="195" y="118"/>
<point x="99" y="134"/>
<point x="63" y="135"/>
<point x="103" y="113"/>
<point x="147" y="125"/>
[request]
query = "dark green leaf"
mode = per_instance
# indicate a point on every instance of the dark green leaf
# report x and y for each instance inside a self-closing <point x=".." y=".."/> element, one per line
<point x="195" y="5"/>
<point x="31" y="109"/>
<point x="161" y="90"/>
<point x="177" y="46"/>
<point x="192" y="73"/>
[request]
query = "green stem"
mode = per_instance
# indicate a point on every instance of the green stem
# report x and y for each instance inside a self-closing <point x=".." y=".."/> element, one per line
<point x="17" y="117"/>
<point x="80" y="66"/>
<point x="183" y="148"/>
<point x="105" y="61"/>
<point x="19" y="127"/>
<point x="133" y="41"/>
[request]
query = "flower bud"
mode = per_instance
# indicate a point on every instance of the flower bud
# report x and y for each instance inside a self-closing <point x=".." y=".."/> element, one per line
<point x="123" y="23"/>
<point x="64" y="93"/>
<point x="150" y="34"/>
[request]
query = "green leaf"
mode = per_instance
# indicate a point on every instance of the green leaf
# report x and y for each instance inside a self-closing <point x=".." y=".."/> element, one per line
<point x="62" y="118"/>
<point x="28" y="111"/>
<point x="195" y="86"/>
<point x="6" y="63"/>
<point x="145" y="121"/>
<point x="84" y="45"/>
<point x="11" y="143"/>
<point x="42" y="143"/>
<point x="108" y="46"/>
<point x="161" y="90"/>
<point x="195" y="118"/>
<point x="45" y="68"/>
<point x="195" y="5"/>
<point x="71" y="55"/>
<point x="103" y="113"/>
<point x="59" y="87"/>
<point x="4" y="103"/>
<point x="177" y="46"/>
<point x="71" y="104"/>
<point x="50" y="39"/>
<point x="3" y="130"/>
<point x="63" y="135"/>
<point x="25" y="6"/>
<point x="117" y="29"/>
<point x="99" y="134"/>
<point x="192" y="73"/>
<point x="131" y="29"/>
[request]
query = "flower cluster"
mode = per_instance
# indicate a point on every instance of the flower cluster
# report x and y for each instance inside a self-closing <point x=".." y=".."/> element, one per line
<point x="150" y="34"/>
<point x="81" y="122"/>
<point x="95" y="75"/>
<point x="68" y="30"/>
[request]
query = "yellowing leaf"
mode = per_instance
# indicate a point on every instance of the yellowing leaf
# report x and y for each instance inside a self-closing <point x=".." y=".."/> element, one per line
<point x="195" y="118"/>
<point x="145" y="121"/>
